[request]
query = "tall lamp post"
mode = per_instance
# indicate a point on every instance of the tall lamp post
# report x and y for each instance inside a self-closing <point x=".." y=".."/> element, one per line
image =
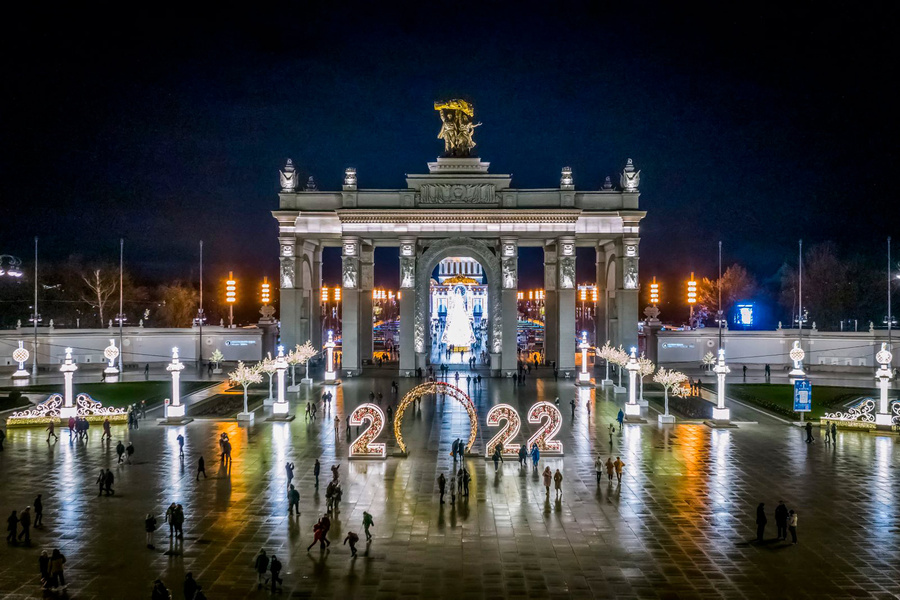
<point x="632" y="409"/>
<point x="883" y="418"/>
<point x="330" y="374"/>
<point x="231" y="296"/>
<point x="68" y="369"/>
<point x="36" y="316"/>
<point x="175" y="414"/>
<point x="280" y="408"/>
<point x="720" y="413"/>
<point x="584" y="378"/>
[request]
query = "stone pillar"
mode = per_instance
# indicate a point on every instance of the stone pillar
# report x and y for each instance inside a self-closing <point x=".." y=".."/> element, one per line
<point x="551" y="322"/>
<point x="509" y="284"/>
<point x="408" y="257"/>
<point x="627" y="278"/>
<point x="366" y="285"/>
<point x="316" y="334"/>
<point x="350" y="304"/>
<point x="289" y="296"/>
<point x="565" y="298"/>
<point x="601" y="335"/>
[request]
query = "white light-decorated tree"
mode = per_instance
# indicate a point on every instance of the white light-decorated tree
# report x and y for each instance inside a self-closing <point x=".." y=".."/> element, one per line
<point x="708" y="360"/>
<point x="619" y="357"/>
<point x="216" y="358"/>
<point x="646" y="368"/>
<point x="669" y="379"/>
<point x="606" y="353"/>
<point x="303" y="354"/>
<point x="245" y="376"/>
<point x="267" y="366"/>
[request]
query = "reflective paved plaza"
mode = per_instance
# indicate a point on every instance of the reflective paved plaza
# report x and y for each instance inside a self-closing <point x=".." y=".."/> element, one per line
<point x="680" y="525"/>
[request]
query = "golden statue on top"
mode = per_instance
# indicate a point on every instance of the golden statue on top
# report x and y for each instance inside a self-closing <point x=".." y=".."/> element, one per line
<point x="457" y="127"/>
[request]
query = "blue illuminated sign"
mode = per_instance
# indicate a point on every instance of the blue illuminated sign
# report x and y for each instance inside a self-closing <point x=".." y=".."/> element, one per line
<point x="802" y="395"/>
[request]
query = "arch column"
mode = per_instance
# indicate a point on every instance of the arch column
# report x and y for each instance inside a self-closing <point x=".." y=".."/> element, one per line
<point x="565" y="305"/>
<point x="408" y="257"/>
<point x="299" y="282"/>
<point x="350" y="306"/>
<point x="624" y="326"/>
<point x="509" y="252"/>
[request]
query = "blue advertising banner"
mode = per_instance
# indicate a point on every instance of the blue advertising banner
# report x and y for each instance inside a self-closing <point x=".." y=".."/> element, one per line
<point x="802" y="395"/>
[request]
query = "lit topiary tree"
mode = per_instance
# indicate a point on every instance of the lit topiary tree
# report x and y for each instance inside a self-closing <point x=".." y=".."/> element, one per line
<point x="216" y="358"/>
<point x="245" y="376"/>
<point x="267" y="366"/>
<point x="708" y="360"/>
<point x="646" y="368"/>
<point x="669" y="380"/>
<point x="620" y="358"/>
<point x="303" y="354"/>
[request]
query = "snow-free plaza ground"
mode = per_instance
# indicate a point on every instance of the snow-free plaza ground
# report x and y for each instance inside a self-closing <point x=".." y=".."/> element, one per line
<point x="680" y="525"/>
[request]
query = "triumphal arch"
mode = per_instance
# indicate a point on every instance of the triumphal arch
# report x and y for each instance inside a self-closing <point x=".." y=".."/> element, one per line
<point x="459" y="209"/>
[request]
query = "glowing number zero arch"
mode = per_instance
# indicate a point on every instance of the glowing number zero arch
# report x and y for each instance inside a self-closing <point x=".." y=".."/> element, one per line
<point x="503" y="412"/>
<point x="543" y="437"/>
<point x="363" y="446"/>
<point x="436" y="387"/>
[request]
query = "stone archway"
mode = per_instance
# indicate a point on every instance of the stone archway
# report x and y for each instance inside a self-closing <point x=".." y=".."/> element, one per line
<point x="435" y="387"/>
<point x="467" y="247"/>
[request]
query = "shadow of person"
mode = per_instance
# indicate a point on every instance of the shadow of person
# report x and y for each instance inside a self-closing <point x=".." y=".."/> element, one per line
<point x="440" y="523"/>
<point x="547" y="505"/>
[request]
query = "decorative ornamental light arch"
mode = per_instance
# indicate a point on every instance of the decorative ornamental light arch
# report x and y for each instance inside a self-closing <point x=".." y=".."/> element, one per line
<point x="463" y="247"/>
<point x="436" y="387"/>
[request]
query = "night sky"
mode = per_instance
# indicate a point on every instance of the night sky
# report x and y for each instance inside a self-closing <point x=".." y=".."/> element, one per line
<point x="755" y="125"/>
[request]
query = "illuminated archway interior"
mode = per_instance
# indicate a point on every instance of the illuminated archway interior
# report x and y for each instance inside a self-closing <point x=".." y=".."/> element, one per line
<point x="436" y="387"/>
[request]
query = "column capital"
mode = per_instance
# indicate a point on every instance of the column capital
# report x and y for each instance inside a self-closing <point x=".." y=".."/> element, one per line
<point x="350" y="246"/>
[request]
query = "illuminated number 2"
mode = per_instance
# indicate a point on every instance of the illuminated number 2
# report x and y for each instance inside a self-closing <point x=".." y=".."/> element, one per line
<point x="363" y="446"/>
<point x="503" y="412"/>
<point x="543" y="437"/>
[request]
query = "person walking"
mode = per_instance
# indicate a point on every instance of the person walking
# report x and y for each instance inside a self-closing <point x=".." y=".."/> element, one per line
<point x="317" y="536"/>
<point x="326" y="527"/>
<point x="275" y="570"/>
<point x="809" y="436"/>
<point x="352" y="539"/>
<point x="106" y="430"/>
<point x="760" y="522"/>
<point x="108" y="481"/>
<point x="189" y="587"/>
<point x="38" y="511"/>
<point x="150" y="527"/>
<point x="337" y="427"/>
<point x="120" y="451"/>
<point x="598" y="468"/>
<point x="620" y="418"/>
<point x="454" y="449"/>
<point x="833" y="432"/>
<point x="201" y="468"/>
<point x="548" y="479"/>
<point x="51" y="431"/>
<point x="308" y="411"/>
<point x="781" y="519"/>
<point x="170" y="519"/>
<point x="557" y="483"/>
<point x="792" y="526"/>
<point x="620" y="466"/>
<point x="293" y="501"/>
<point x="316" y="469"/>
<point x="572" y="404"/>
<point x="289" y="472"/>
<point x="179" y="521"/>
<point x="25" y="522"/>
<point x="101" y="482"/>
<point x="535" y="457"/>
<point x="57" y="577"/>
<point x="129" y="452"/>
<point x="610" y="468"/>
<point x="465" y="480"/>
<point x="367" y="522"/>
<point x="44" y="566"/>
<point x="612" y="430"/>
<point x="335" y="472"/>
<point x="497" y="457"/>
<point x="442" y="484"/>
<point x="160" y="591"/>
<point x="261" y="565"/>
<point x="180" y="439"/>
<point x="523" y="456"/>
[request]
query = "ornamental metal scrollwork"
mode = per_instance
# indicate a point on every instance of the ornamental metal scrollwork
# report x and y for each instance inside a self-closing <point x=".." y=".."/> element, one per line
<point x="863" y="411"/>
<point x="49" y="410"/>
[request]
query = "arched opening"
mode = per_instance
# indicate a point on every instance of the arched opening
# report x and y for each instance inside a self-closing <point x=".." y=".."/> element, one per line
<point x="432" y="388"/>
<point x="458" y="313"/>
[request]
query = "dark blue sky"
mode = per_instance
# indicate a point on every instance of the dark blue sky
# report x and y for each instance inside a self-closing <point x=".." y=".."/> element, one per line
<point x="756" y="125"/>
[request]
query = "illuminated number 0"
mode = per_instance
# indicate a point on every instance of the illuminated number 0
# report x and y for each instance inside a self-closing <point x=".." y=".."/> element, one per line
<point x="504" y="412"/>
<point x="543" y="437"/>
<point x="363" y="446"/>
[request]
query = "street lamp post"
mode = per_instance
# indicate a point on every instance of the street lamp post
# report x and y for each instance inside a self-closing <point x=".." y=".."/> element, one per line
<point x="68" y="369"/>
<point x="35" y="316"/>
<point x="281" y="407"/>
<point x="883" y="418"/>
<point x="330" y="374"/>
<point x="632" y="409"/>
<point x="20" y="355"/>
<point x="720" y="413"/>
<point x="111" y="353"/>
<point x="584" y="378"/>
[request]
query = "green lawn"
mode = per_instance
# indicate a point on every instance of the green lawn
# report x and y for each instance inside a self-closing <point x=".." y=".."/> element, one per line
<point x="779" y="398"/>
<point x="118" y="395"/>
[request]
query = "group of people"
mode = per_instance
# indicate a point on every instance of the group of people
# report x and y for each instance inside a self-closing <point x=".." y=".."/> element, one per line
<point x="617" y="467"/>
<point x="785" y="521"/>
<point x="23" y="520"/>
<point x="191" y="589"/>
<point x="225" y="451"/>
<point x="136" y="412"/>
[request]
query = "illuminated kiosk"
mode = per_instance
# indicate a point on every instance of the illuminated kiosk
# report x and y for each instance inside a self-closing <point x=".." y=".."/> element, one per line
<point x="20" y="355"/>
<point x="884" y="418"/>
<point x="584" y="377"/>
<point x="364" y="446"/>
<point x="111" y="353"/>
<point x="434" y="388"/>
<point x="797" y="354"/>
<point x="175" y="412"/>
<point x="633" y="409"/>
<point x="280" y="407"/>
<point x="330" y="373"/>
<point x="720" y="414"/>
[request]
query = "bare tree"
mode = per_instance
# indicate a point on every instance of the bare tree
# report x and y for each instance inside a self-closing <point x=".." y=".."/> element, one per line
<point x="101" y="283"/>
<point x="737" y="284"/>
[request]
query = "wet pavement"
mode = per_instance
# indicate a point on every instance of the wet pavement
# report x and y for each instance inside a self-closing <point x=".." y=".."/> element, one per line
<point x="680" y="525"/>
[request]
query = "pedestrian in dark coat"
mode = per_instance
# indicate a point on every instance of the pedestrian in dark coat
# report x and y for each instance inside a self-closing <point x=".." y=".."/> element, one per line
<point x="201" y="468"/>
<point x="781" y="518"/>
<point x="760" y="521"/>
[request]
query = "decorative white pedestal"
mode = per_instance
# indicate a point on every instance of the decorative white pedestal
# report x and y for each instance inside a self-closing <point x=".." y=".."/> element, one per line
<point x="269" y="401"/>
<point x="618" y="389"/>
<point x="67" y="411"/>
<point x="243" y="417"/>
<point x="21" y="374"/>
<point x="632" y="410"/>
<point x="721" y="414"/>
<point x="606" y="382"/>
<point x="293" y="388"/>
<point x="175" y="415"/>
<point x="883" y="419"/>
<point x="666" y="419"/>
<point x="643" y="403"/>
<point x="306" y="381"/>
